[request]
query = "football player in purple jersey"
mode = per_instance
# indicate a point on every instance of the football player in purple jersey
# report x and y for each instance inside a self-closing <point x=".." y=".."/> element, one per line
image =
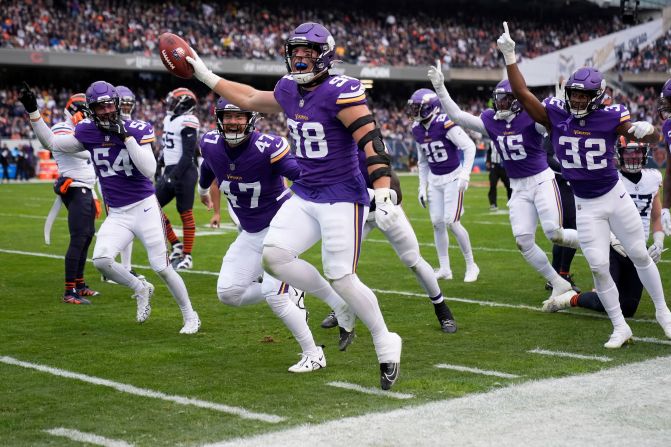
<point x="327" y="118"/>
<point x="442" y="179"/>
<point x="664" y="110"/>
<point x="584" y="133"/>
<point x="518" y="140"/>
<point x="124" y="162"/>
<point x="249" y="168"/>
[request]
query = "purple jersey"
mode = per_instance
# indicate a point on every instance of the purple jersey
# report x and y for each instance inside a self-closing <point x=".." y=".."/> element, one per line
<point x="518" y="143"/>
<point x="250" y="175"/>
<point x="324" y="148"/>
<point x="666" y="133"/>
<point x="586" y="146"/>
<point x="121" y="182"/>
<point x="440" y="152"/>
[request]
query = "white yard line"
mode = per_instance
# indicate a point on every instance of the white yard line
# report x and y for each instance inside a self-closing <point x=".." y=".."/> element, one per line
<point x="656" y="341"/>
<point x="372" y="391"/>
<point x="613" y="407"/>
<point x="598" y="358"/>
<point x="143" y="392"/>
<point x="383" y="291"/>
<point x="484" y="372"/>
<point x="88" y="438"/>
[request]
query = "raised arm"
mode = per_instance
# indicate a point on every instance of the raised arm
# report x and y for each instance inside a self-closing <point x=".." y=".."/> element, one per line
<point x="242" y="95"/>
<point x="457" y="115"/>
<point x="530" y="103"/>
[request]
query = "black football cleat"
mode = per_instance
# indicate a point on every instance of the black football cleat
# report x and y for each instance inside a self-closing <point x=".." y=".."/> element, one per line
<point x="330" y="321"/>
<point x="346" y="338"/>
<point x="448" y="326"/>
<point x="388" y="374"/>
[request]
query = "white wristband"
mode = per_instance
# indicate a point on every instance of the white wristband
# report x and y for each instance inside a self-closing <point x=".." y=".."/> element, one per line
<point x="510" y="58"/>
<point x="34" y="116"/>
<point x="203" y="191"/>
<point x="210" y="79"/>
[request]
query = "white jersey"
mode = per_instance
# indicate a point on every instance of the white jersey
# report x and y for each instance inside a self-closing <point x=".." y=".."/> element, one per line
<point x="643" y="193"/>
<point x="172" y="136"/>
<point x="77" y="165"/>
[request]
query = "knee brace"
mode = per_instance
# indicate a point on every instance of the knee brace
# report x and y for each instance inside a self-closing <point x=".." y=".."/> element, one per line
<point x="410" y="258"/>
<point x="231" y="294"/>
<point x="525" y="242"/>
<point x="274" y="257"/>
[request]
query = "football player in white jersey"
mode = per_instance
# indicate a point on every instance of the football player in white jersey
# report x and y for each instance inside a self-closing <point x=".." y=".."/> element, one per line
<point x="76" y="189"/>
<point x="125" y="163"/>
<point x="180" y="139"/>
<point x="643" y="187"/>
<point x="442" y="179"/>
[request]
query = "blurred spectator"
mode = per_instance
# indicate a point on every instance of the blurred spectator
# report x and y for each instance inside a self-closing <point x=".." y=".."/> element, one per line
<point x="5" y="157"/>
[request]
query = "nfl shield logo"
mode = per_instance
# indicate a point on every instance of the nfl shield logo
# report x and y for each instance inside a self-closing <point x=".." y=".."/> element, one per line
<point x="301" y="103"/>
<point x="107" y="137"/>
<point x="232" y="166"/>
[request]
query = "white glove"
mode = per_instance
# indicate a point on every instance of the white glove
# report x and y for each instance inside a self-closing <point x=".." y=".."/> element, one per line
<point x="507" y="46"/>
<point x="436" y="75"/>
<point x="657" y="248"/>
<point x="422" y="196"/>
<point x="201" y="72"/>
<point x="617" y="245"/>
<point x="666" y="221"/>
<point x="386" y="212"/>
<point x="559" y="89"/>
<point x="463" y="180"/>
<point x="641" y="129"/>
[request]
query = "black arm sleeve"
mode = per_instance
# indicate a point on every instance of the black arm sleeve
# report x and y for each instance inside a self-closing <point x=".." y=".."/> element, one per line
<point x="553" y="162"/>
<point x="189" y="141"/>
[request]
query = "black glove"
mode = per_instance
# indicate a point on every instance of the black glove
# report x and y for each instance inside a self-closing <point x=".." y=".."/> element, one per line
<point x="28" y="98"/>
<point x="118" y="128"/>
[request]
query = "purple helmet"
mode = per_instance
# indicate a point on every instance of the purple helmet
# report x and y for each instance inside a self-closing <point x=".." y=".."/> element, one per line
<point x="315" y="37"/>
<point x="587" y="80"/>
<point x="505" y="102"/>
<point x="126" y="101"/>
<point x="243" y="131"/>
<point x="423" y="104"/>
<point x="664" y="101"/>
<point x="102" y="100"/>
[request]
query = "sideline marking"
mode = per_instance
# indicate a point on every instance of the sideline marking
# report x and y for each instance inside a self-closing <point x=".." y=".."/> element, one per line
<point x="598" y="358"/>
<point x="130" y="389"/>
<point x="373" y="391"/>
<point x="89" y="438"/>
<point x="484" y="372"/>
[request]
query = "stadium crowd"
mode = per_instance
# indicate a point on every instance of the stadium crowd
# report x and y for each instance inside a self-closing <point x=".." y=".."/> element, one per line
<point x="653" y="58"/>
<point x="461" y="36"/>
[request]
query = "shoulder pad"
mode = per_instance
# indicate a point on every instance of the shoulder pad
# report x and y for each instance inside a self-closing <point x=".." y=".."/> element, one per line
<point x="347" y="89"/>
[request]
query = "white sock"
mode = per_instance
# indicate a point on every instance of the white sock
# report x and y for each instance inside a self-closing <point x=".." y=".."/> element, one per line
<point x="426" y="278"/>
<point x="442" y="244"/>
<point x="649" y="276"/>
<point x="294" y="320"/>
<point x="610" y="299"/>
<point x="463" y="240"/>
<point x="117" y="273"/>
<point x="177" y="289"/>
<point x="540" y="262"/>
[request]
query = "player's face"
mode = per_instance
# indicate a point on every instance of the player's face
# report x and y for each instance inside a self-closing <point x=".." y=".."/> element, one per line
<point x="105" y="111"/>
<point x="303" y="59"/>
<point x="234" y="122"/>
<point x="126" y="108"/>
<point x="579" y="100"/>
<point x="504" y="101"/>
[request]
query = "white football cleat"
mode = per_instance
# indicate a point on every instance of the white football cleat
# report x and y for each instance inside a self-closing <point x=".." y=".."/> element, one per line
<point x="186" y="263"/>
<point x="191" y="324"/>
<point x="143" y="299"/>
<point x="443" y="274"/>
<point x="176" y="253"/>
<point x="472" y="272"/>
<point x="309" y="363"/>
<point x="664" y="320"/>
<point x="619" y="337"/>
<point x="556" y="303"/>
<point x="560" y="287"/>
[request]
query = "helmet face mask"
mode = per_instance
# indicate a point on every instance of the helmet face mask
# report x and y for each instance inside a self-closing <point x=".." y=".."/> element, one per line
<point x="632" y="156"/>
<point x="76" y="109"/>
<point x="309" y="52"/>
<point x="505" y="102"/>
<point x="235" y="124"/>
<point x="181" y="101"/>
<point x="584" y="92"/>
<point x="423" y="105"/>
<point x="102" y="101"/>
<point x="126" y="101"/>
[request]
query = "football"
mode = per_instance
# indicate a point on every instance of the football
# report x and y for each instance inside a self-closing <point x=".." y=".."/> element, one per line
<point x="173" y="50"/>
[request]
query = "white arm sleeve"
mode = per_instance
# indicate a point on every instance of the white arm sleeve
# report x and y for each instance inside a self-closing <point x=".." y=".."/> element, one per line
<point x="142" y="156"/>
<point x="457" y="115"/>
<point x="62" y="143"/>
<point x="541" y="129"/>
<point x="466" y="144"/>
<point x="423" y="168"/>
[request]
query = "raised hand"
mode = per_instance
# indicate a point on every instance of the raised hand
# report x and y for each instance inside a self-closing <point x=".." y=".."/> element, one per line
<point x="507" y="46"/>
<point x="28" y="98"/>
<point x="435" y="75"/>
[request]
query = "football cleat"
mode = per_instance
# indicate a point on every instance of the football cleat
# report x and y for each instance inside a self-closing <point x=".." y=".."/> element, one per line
<point x="443" y="273"/>
<point x="557" y="303"/>
<point x="664" y="320"/>
<point x="72" y="297"/>
<point x="191" y="324"/>
<point x="104" y="278"/>
<point x="620" y="336"/>
<point x="186" y="263"/>
<point x="472" y="272"/>
<point x="177" y="253"/>
<point x="143" y="298"/>
<point x="309" y="363"/>
<point x="390" y="361"/>
<point x="137" y="275"/>
<point x="493" y="208"/>
<point x="448" y="326"/>
<point x="86" y="291"/>
<point x="388" y="374"/>
<point x="563" y="287"/>
<point x="346" y="338"/>
<point x="330" y="321"/>
<point x="298" y="298"/>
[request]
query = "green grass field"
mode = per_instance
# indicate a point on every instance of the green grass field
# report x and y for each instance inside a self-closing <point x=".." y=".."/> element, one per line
<point x="241" y="355"/>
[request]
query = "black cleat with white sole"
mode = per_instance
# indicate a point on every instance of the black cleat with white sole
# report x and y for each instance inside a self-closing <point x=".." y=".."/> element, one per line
<point x="388" y="374"/>
<point x="346" y="338"/>
<point x="448" y="326"/>
<point x="330" y="321"/>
